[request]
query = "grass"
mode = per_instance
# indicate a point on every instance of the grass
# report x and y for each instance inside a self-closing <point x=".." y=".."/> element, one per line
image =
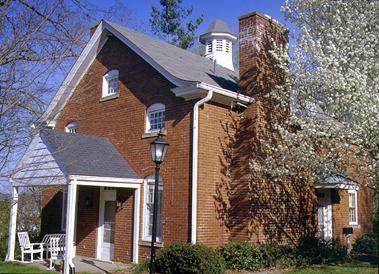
<point x="348" y="268"/>
<point x="10" y="267"/>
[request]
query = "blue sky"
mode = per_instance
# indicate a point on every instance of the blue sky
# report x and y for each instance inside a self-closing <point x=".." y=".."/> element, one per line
<point x="229" y="11"/>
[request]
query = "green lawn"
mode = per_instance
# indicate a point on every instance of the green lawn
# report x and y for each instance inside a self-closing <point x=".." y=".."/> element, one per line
<point x="349" y="268"/>
<point x="19" y="268"/>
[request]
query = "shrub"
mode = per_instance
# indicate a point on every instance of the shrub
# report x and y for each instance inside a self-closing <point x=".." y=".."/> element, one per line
<point x="241" y="255"/>
<point x="366" y="244"/>
<point x="274" y="255"/>
<point x="246" y="256"/>
<point x="141" y="267"/>
<point x="180" y="258"/>
<point x="316" y="250"/>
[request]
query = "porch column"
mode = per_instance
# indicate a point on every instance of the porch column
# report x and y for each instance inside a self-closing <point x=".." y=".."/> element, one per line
<point x="70" y="226"/>
<point x="136" y="223"/>
<point x="12" y="225"/>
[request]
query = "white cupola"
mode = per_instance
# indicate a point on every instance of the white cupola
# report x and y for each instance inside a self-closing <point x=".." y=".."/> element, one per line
<point x="218" y="41"/>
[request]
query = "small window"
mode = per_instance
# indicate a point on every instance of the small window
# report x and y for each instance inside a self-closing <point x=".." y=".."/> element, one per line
<point x="353" y="211"/>
<point x="155" y="117"/>
<point x="148" y="209"/>
<point x="110" y="83"/>
<point x="218" y="45"/>
<point x="72" y="127"/>
<point x="209" y="46"/>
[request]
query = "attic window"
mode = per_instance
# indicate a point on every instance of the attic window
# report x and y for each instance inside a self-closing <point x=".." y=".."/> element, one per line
<point x="110" y="83"/>
<point x="209" y="46"/>
<point x="72" y="127"/>
<point x="218" y="45"/>
<point x="155" y="117"/>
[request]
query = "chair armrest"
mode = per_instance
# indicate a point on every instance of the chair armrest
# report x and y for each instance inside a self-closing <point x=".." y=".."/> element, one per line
<point x="37" y="244"/>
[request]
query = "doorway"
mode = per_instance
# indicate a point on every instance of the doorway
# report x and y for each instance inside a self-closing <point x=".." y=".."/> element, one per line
<point x="324" y="212"/>
<point x="107" y="218"/>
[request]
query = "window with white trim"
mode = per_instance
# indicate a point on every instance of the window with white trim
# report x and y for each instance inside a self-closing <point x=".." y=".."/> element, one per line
<point x="148" y="209"/>
<point x="353" y="209"/>
<point x="110" y="83"/>
<point x="155" y="117"/>
<point x="64" y="210"/>
<point x="72" y="127"/>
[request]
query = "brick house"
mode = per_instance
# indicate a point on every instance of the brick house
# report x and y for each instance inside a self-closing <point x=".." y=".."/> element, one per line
<point x="93" y="157"/>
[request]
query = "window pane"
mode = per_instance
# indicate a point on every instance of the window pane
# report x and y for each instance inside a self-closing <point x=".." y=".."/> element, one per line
<point x="150" y="211"/>
<point x="112" y="86"/>
<point x="351" y="200"/>
<point x="157" y="119"/>
<point x="352" y="215"/>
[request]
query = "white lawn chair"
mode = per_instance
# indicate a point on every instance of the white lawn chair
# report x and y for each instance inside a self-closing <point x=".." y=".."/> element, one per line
<point x="27" y="247"/>
<point x="54" y="249"/>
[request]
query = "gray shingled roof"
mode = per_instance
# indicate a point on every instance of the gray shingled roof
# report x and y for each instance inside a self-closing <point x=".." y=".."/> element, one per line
<point x="79" y="154"/>
<point x="180" y="63"/>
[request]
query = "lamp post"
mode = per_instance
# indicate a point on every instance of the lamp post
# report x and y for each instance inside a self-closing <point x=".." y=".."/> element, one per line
<point x="158" y="151"/>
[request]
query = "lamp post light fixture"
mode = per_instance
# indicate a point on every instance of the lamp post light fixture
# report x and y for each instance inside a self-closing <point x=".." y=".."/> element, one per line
<point x="158" y="151"/>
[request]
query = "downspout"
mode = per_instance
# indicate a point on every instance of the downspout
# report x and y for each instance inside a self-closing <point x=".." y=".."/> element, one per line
<point x="195" y="153"/>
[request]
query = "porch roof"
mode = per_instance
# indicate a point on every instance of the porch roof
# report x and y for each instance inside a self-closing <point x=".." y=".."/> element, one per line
<point x="53" y="156"/>
<point x="337" y="182"/>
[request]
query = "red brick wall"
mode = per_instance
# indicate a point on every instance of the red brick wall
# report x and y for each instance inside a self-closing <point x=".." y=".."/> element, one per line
<point x="122" y="120"/>
<point x="215" y="125"/>
<point x="261" y="209"/>
<point x="340" y="214"/>
<point x="257" y="73"/>
<point x="51" y="215"/>
<point x="123" y="244"/>
<point x="87" y="221"/>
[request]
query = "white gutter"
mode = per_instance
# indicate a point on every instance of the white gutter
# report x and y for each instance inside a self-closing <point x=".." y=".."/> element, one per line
<point x="195" y="153"/>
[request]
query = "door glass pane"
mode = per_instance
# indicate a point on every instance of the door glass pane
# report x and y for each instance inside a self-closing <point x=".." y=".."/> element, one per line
<point x="109" y="221"/>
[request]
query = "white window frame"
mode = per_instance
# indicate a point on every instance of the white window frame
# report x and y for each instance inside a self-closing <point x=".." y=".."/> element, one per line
<point x="354" y="192"/>
<point x="72" y="127"/>
<point x="64" y="210"/>
<point x="150" y="180"/>
<point x="111" y="75"/>
<point x="158" y="107"/>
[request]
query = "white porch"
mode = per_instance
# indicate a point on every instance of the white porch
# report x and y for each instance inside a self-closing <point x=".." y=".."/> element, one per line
<point x="71" y="215"/>
<point x="61" y="159"/>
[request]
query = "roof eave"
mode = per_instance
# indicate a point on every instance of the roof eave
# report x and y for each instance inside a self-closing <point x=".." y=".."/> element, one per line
<point x="200" y="89"/>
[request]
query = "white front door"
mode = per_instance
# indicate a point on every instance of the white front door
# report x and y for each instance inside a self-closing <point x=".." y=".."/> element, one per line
<point x="324" y="212"/>
<point x="107" y="217"/>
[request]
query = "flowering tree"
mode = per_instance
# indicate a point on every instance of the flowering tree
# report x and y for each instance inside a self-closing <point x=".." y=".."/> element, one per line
<point x="332" y="90"/>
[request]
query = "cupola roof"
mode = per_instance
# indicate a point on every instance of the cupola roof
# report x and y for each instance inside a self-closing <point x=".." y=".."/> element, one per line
<point x="217" y="26"/>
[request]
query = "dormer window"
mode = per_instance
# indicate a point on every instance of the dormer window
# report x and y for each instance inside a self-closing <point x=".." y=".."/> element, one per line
<point x="155" y="117"/>
<point x="72" y="127"/>
<point x="110" y="83"/>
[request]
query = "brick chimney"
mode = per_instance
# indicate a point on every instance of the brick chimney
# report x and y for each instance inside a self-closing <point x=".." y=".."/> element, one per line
<point x="256" y="70"/>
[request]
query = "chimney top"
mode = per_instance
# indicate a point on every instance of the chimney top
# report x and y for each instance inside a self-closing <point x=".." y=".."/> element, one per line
<point x="263" y="16"/>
